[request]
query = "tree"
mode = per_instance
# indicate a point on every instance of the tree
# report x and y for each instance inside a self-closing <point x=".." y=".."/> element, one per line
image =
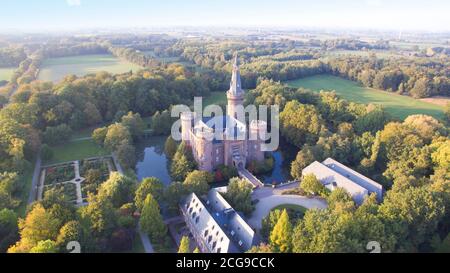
<point x="99" y="135"/>
<point x="281" y="236"/>
<point x="39" y="225"/>
<point x="304" y="158"/>
<point x="8" y="185"/>
<point x="92" y="114"/>
<point x="161" y="123"/>
<point x="420" y="89"/>
<point x="119" y="189"/>
<point x="126" y="154"/>
<point x="151" y="220"/>
<point x="99" y="216"/>
<point x="117" y="135"/>
<point x="184" y="245"/>
<point x="173" y="194"/>
<point x="182" y="163"/>
<point x="239" y="195"/>
<point x="312" y="185"/>
<point x="269" y="222"/>
<point x="196" y="250"/>
<point x="150" y="185"/>
<point x="170" y="147"/>
<point x="70" y="232"/>
<point x="8" y="229"/>
<point x="411" y="215"/>
<point x="134" y="123"/>
<point x="47" y="246"/>
<point x="198" y="182"/>
<point x="300" y="123"/>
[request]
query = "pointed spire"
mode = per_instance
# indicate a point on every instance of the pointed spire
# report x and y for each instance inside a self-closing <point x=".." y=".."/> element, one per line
<point x="235" y="86"/>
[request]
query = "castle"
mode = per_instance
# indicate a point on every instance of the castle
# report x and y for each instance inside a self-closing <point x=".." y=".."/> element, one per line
<point x="225" y="140"/>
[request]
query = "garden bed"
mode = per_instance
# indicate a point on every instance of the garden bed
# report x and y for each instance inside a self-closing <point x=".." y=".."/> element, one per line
<point x="59" y="174"/>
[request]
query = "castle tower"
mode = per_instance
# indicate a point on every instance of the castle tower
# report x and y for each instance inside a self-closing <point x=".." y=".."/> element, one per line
<point x="186" y="126"/>
<point x="204" y="147"/>
<point x="235" y="95"/>
<point x="258" y="130"/>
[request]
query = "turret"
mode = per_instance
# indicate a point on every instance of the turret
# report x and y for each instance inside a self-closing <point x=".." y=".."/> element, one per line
<point x="235" y="95"/>
<point x="258" y="131"/>
<point x="187" y="119"/>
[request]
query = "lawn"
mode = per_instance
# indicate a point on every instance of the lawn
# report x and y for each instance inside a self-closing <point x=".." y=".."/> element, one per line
<point x="76" y="150"/>
<point x="55" y="69"/>
<point x="295" y="212"/>
<point x="25" y="184"/>
<point x="291" y="207"/>
<point x="6" y="73"/>
<point x="397" y="105"/>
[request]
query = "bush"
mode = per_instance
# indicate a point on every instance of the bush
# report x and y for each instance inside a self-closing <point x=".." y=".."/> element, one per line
<point x="225" y="173"/>
<point x="312" y="185"/>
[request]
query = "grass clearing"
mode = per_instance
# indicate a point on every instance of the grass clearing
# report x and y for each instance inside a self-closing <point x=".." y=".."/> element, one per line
<point x="398" y="106"/>
<point x="25" y="184"/>
<point x="6" y="73"/>
<point x="55" y="69"/>
<point x="76" y="150"/>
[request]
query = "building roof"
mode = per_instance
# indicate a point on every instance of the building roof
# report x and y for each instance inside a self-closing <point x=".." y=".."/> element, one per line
<point x="329" y="177"/>
<point x="235" y="85"/>
<point x="356" y="177"/>
<point x="220" y="227"/>
<point x="223" y="127"/>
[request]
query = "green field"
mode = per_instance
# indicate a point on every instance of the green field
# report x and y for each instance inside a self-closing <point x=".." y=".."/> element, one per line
<point x="76" y="150"/>
<point x="55" y="69"/>
<point x="397" y="105"/>
<point x="6" y="73"/>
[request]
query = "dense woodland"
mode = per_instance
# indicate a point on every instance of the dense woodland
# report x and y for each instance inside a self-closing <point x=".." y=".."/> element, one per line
<point x="410" y="158"/>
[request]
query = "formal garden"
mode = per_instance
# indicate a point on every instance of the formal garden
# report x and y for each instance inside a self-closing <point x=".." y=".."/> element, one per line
<point x="76" y="179"/>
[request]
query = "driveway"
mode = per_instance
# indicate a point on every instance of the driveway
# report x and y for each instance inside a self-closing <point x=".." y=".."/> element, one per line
<point x="266" y="204"/>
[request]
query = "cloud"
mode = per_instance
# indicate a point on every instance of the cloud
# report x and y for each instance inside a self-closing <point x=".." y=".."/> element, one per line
<point x="73" y="3"/>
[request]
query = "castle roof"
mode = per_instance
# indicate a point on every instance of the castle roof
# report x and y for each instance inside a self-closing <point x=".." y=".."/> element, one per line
<point x="235" y="85"/>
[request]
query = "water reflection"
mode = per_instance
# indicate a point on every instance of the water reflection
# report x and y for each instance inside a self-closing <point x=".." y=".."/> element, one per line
<point x="152" y="162"/>
<point x="281" y="169"/>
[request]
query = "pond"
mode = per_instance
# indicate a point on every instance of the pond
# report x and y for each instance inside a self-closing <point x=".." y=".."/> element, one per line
<point x="281" y="169"/>
<point x="151" y="160"/>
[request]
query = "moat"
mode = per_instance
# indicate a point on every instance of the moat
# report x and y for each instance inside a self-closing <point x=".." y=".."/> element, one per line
<point x="152" y="162"/>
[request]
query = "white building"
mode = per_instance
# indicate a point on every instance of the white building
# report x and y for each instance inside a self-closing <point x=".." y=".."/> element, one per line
<point x="215" y="225"/>
<point x="333" y="175"/>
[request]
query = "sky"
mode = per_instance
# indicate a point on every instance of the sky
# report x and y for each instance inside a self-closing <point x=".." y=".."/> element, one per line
<point x="424" y="15"/>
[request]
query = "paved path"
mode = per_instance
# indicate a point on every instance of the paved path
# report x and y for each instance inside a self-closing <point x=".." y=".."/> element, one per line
<point x="270" y="198"/>
<point x="249" y="177"/>
<point x="80" y="139"/>
<point x="145" y="241"/>
<point x="36" y="177"/>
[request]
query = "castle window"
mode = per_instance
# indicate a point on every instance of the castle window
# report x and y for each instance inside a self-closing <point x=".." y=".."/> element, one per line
<point x="197" y="219"/>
